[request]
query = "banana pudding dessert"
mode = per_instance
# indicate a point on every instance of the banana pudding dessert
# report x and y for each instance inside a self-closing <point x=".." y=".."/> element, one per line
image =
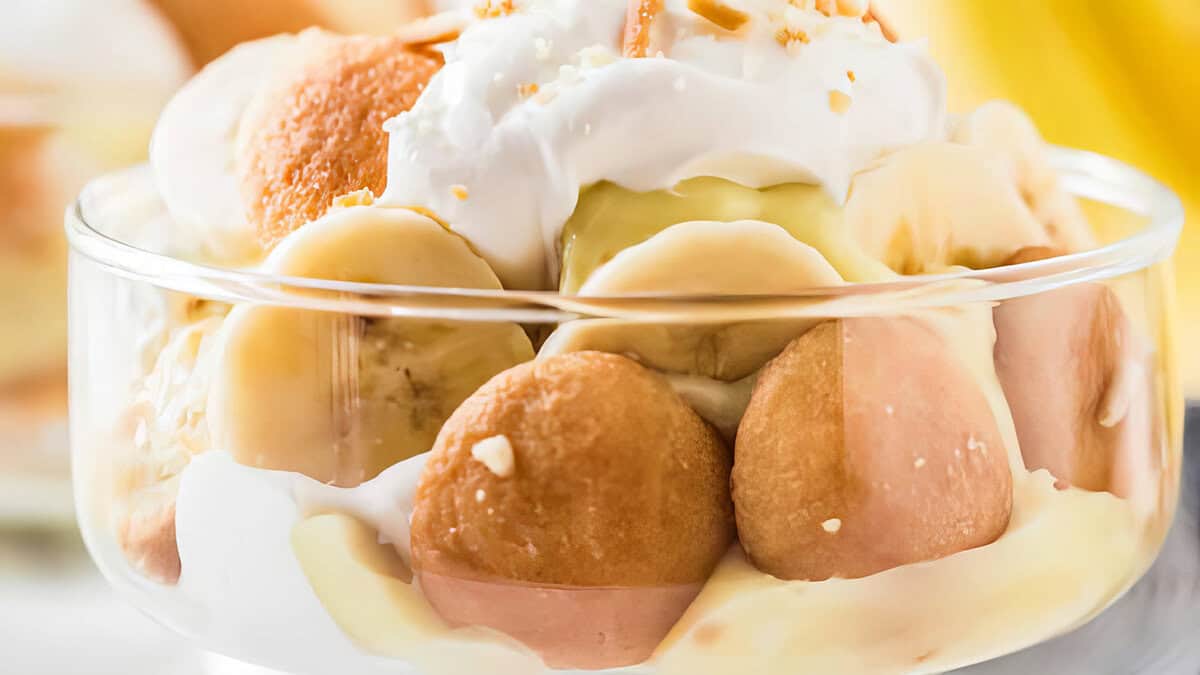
<point x="683" y="336"/>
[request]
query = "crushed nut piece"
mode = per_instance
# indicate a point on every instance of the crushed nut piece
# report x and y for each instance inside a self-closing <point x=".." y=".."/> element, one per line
<point x="791" y="37"/>
<point x="363" y="197"/>
<point x="496" y="453"/>
<point x="832" y="525"/>
<point x="852" y="77"/>
<point x="720" y="13"/>
<point x="839" y="101"/>
<point x="460" y="192"/>
<point x="494" y="9"/>
<point x="639" y="22"/>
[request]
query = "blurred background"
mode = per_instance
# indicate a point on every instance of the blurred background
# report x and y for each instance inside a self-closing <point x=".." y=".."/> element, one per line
<point x="81" y="83"/>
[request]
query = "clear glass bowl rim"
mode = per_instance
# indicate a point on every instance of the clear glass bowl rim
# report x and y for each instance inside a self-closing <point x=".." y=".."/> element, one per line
<point x="1084" y="174"/>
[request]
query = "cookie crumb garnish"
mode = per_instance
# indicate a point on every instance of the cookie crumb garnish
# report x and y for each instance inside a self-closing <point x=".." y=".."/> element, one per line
<point x="839" y="101"/>
<point x="791" y="38"/>
<point x="720" y="12"/>
<point x="460" y="192"/>
<point x="639" y="22"/>
<point x="363" y="197"/>
<point x="494" y="9"/>
<point x="528" y="90"/>
<point x="496" y="453"/>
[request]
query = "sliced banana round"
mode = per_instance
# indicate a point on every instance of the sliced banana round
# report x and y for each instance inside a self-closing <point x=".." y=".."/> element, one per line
<point x="745" y="257"/>
<point x="738" y="258"/>
<point x="340" y="398"/>
<point x="192" y="151"/>
<point x="1007" y="131"/>
<point x="931" y="206"/>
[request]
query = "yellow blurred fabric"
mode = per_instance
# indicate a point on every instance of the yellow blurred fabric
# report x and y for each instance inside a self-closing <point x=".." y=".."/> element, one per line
<point x="1121" y="77"/>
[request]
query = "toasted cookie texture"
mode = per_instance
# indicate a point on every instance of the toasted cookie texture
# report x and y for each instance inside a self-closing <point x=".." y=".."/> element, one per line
<point x="581" y="480"/>
<point x="318" y="132"/>
<point x="1078" y="380"/>
<point x="147" y="537"/>
<point x="867" y="445"/>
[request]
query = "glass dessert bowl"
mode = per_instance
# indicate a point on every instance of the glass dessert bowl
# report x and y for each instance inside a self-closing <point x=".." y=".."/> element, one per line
<point x="875" y="394"/>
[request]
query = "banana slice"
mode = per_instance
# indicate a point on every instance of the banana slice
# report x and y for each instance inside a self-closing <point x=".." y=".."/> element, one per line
<point x="936" y="205"/>
<point x="744" y="257"/>
<point x="340" y="398"/>
<point x="610" y="219"/>
<point x="1006" y="130"/>
<point x="192" y="151"/>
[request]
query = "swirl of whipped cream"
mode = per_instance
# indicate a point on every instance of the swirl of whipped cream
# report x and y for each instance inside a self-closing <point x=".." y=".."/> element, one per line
<point x="533" y="106"/>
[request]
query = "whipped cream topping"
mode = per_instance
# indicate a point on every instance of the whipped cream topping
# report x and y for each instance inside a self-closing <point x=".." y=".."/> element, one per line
<point x="533" y="106"/>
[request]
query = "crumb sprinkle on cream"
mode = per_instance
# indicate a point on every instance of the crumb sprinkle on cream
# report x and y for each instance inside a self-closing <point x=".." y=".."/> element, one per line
<point x="839" y="101"/>
<point x="720" y="13"/>
<point x="494" y="9"/>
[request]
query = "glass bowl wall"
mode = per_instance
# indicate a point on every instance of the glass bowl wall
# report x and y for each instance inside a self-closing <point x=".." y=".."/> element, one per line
<point x="247" y="448"/>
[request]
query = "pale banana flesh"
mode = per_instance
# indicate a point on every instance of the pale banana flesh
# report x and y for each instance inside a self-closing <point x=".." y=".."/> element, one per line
<point x="1006" y="131"/>
<point x="610" y="219"/>
<point x="745" y="257"/>
<point x="341" y="398"/>
<point x="931" y="206"/>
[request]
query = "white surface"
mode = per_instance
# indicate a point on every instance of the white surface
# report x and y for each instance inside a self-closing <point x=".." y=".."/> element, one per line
<point x="58" y="617"/>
